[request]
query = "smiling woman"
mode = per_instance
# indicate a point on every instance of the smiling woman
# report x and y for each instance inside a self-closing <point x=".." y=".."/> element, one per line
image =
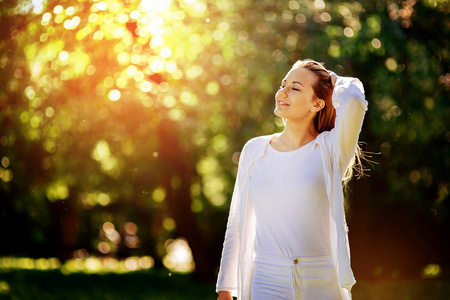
<point x="286" y="235"/>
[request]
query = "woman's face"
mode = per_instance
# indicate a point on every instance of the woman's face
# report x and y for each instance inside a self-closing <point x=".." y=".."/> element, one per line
<point x="295" y="100"/>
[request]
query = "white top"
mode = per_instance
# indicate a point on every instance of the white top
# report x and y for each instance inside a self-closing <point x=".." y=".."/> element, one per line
<point x="288" y="193"/>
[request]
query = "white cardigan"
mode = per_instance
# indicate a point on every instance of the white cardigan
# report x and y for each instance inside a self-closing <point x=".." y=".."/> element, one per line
<point x="338" y="148"/>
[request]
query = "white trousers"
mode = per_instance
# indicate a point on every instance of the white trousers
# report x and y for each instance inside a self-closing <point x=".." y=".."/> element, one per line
<point x="302" y="278"/>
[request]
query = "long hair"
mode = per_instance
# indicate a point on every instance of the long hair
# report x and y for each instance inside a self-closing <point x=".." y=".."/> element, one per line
<point x="325" y="118"/>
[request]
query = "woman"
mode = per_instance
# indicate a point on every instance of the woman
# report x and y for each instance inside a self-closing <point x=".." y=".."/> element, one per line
<point x="286" y="235"/>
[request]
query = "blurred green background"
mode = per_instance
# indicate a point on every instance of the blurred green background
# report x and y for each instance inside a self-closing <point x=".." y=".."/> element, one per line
<point x="122" y="123"/>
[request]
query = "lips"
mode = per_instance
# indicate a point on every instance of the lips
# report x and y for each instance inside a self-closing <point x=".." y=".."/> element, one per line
<point x="282" y="103"/>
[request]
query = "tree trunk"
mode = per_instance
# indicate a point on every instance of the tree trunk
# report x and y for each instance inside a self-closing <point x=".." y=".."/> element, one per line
<point x="177" y="163"/>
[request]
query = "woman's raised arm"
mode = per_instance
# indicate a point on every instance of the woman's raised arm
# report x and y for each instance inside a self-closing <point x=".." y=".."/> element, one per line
<point x="351" y="106"/>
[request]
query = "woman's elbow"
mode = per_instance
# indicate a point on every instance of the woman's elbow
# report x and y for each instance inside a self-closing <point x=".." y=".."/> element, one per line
<point x="354" y="103"/>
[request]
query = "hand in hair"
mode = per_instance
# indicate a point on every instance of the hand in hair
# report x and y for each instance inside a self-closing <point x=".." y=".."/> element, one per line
<point x="333" y="77"/>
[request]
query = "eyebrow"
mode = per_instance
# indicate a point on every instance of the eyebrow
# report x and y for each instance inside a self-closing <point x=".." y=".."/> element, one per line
<point x="284" y="80"/>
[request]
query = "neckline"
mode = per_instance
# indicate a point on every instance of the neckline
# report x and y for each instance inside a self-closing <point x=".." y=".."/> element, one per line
<point x="292" y="151"/>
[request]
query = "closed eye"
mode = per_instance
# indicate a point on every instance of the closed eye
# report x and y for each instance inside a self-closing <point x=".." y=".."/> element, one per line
<point x="295" y="89"/>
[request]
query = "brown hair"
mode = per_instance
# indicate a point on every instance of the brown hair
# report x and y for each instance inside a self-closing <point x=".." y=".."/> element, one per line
<point x="323" y="89"/>
<point x="324" y="119"/>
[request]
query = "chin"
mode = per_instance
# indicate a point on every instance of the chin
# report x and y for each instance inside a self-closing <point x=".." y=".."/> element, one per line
<point x="278" y="113"/>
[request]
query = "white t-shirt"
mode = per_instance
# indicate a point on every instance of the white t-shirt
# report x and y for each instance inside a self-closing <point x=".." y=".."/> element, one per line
<point x="287" y="190"/>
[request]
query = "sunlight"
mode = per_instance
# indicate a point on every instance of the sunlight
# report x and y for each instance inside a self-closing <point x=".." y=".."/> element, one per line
<point x="159" y="194"/>
<point x="155" y="6"/>
<point x="114" y="95"/>
<point x="58" y="190"/>
<point x="4" y="287"/>
<point x="101" y="150"/>
<point x="179" y="256"/>
<point x="432" y="271"/>
<point x="5" y="161"/>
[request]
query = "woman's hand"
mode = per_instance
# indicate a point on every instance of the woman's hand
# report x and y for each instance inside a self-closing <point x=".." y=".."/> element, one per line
<point x="333" y="77"/>
<point x="224" y="296"/>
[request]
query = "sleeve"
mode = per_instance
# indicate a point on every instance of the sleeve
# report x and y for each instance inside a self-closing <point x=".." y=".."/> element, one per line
<point x="351" y="106"/>
<point x="228" y="272"/>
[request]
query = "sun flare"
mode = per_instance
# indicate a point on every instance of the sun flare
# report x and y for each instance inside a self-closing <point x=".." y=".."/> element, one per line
<point x="152" y="6"/>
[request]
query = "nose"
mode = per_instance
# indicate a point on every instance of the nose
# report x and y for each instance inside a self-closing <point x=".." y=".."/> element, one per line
<point x="282" y="92"/>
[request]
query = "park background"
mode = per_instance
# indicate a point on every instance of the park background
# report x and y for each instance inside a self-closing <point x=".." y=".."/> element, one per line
<point x="122" y="123"/>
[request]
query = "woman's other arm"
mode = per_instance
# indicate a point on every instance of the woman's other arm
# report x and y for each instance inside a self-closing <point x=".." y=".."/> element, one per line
<point x="225" y="296"/>
<point x="228" y="272"/>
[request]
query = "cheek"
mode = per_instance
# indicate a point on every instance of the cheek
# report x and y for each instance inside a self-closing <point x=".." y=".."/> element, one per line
<point x="277" y="95"/>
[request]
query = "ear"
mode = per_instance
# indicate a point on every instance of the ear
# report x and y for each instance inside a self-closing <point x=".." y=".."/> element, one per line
<point x="318" y="105"/>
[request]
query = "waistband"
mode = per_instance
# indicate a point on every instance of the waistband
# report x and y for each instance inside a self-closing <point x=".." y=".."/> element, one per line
<point x="304" y="261"/>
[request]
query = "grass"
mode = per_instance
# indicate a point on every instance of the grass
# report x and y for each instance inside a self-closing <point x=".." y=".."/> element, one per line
<point x="402" y="290"/>
<point x="49" y="285"/>
<point x="158" y="285"/>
